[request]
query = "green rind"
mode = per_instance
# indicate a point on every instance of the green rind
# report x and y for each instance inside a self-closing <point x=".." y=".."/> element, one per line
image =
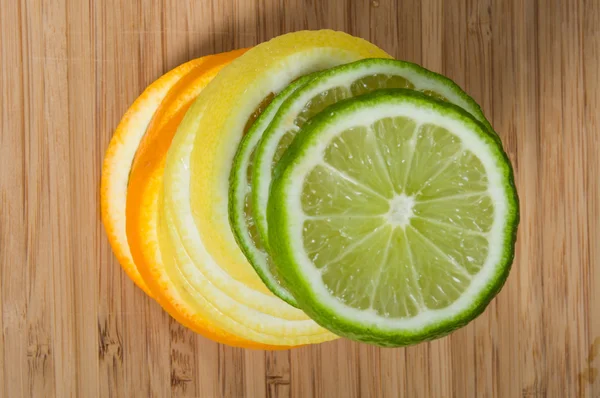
<point x="282" y="248"/>
<point x="238" y="187"/>
<point x="259" y="182"/>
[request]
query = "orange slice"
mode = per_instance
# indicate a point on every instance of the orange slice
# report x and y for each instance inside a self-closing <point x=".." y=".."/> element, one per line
<point x="145" y="184"/>
<point x="118" y="161"/>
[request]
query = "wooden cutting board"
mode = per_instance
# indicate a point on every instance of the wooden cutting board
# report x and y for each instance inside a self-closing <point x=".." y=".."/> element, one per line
<point x="74" y="325"/>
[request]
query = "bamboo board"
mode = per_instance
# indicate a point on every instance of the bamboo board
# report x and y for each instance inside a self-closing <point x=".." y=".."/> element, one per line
<point x="71" y="322"/>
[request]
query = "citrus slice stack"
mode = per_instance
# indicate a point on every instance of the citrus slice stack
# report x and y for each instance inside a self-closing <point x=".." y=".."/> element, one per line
<point x="309" y="188"/>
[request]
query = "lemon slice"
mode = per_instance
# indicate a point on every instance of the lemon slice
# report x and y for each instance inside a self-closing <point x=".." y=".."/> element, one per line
<point x="196" y="185"/>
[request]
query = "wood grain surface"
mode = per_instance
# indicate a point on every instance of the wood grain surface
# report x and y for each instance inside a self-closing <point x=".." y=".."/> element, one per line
<point x="73" y="325"/>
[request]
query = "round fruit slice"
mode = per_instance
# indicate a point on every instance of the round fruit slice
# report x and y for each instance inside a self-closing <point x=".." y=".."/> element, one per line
<point x="240" y="197"/>
<point x="196" y="184"/>
<point x="117" y="165"/>
<point x="344" y="81"/>
<point x="145" y="183"/>
<point x="393" y="218"/>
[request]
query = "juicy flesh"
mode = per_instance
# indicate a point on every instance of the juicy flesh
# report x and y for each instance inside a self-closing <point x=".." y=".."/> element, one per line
<point x="396" y="217"/>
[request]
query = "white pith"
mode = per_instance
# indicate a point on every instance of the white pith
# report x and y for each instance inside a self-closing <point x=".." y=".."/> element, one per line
<point x="401" y="210"/>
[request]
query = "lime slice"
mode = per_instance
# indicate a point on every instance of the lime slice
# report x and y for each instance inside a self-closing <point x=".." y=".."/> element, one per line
<point x="393" y="218"/>
<point x="341" y="82"/>
<point x="240" y="198"/>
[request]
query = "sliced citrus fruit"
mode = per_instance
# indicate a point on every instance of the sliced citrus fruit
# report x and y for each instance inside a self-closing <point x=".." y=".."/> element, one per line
<point x="117" y="165"/>
<point x="196" y="185"/>
<point x="344" y="81"/>
<point x="393" y="217"/>
<point x="145" y="184"/>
